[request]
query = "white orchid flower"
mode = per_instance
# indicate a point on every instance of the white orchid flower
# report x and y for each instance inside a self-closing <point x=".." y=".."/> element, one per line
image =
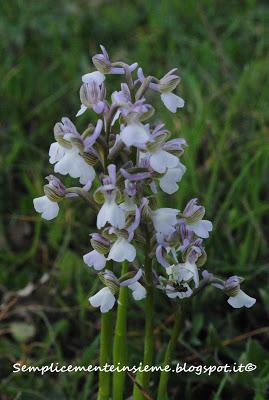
<point x="73" y="164"/>
<point x="138" y="291"/>
<point x="122" y="250"/>
<point x="164" y="220"/>
<point x="104" y="299"/>
<point x="95" y="259"/>
<point x="47" y="208"/>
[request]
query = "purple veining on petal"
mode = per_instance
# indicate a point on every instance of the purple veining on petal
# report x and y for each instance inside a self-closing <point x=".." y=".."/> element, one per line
<point x="56" y="185"/>
<point x="191" y="207"/>
<point x="175" y="145"/>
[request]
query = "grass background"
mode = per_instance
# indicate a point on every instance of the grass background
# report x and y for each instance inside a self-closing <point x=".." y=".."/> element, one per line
<point x="221" y="49"/>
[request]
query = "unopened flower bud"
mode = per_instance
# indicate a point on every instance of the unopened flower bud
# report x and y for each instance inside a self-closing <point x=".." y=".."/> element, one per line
<point x="100" y="243"/>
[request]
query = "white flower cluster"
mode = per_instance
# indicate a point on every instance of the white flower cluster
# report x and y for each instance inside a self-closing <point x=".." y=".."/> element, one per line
<point x="128" y="160"/>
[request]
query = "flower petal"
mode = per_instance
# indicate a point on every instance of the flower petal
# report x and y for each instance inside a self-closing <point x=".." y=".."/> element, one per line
<point x="201" y="228"/>
<point x="138" y="291"/>
<point x="112" y="213"/>
<point x="74" y="165"/>
<point x="122" y="250"/>
<point x="172" y="101"/>
<point x="241" y="300"/>
<point x="135" y="134"/>
<point x="56" y="152"/>
<point x="103" y="299"/>
<point x="95" y="260"/>
<point x="160" y="160"/>
<point x="48" y="209"/>
<point x="95" y="76"/>
<point x="168" y="182"/>
<point x="164" y="220"/>
<point x="81" y="110"/>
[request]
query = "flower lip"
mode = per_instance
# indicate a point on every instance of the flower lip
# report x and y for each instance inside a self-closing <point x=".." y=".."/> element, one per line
<point x="104" y="299"/>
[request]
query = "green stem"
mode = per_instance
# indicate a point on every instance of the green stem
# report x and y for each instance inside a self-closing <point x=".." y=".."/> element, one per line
<point x="105" y="355"/>
<point x="162" y="389"/>
<point x="120" y="340"/>
<point x="143" y="378"/>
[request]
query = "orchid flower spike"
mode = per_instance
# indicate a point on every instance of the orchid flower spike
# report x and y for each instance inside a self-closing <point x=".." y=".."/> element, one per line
<point x="123" y="161"/>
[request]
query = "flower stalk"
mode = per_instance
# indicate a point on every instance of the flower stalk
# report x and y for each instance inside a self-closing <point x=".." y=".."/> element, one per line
<point x="105" y="355"/>
<point x="162" y="388"/>
<point x="120" y="340"/>
<point x="144" y="377"/>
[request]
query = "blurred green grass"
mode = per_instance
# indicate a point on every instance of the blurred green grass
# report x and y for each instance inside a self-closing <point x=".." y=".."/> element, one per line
<point x="221" y="50"/>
